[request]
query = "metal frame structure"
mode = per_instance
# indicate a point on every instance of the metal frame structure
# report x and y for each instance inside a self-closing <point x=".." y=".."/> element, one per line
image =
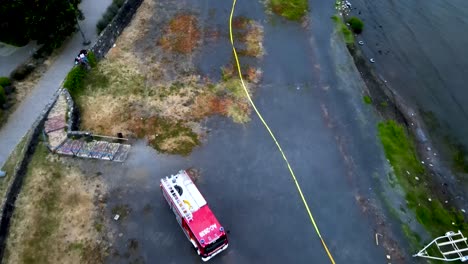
<point x="452" y="247"/>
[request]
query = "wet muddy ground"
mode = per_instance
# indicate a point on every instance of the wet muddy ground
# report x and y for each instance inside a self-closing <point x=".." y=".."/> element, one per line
<point x="311" y="95"/>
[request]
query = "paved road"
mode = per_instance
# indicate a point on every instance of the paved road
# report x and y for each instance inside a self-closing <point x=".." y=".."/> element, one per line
<point x="311" y="97"/>
<point x="11" y="56"/>
<point x="28" y="111"/>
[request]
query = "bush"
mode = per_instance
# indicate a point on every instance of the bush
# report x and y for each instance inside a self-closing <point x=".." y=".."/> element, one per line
<point x="367" y="99"/>
<point x="2" y="96"/>
<point x="91" y="59"/>
<point x="75" y="80"/>
<point x="5" y="81"/>
<point x="356" y="24"/>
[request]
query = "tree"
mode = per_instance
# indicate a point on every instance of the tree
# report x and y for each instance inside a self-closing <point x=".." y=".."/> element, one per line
<point x="47" y="21"/>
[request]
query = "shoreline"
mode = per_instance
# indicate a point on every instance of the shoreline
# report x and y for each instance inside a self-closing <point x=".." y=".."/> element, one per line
<point x="389" y="105"/>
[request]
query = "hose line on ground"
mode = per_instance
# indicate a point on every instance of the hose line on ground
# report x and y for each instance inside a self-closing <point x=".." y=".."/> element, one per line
<point x="312" y="220"/>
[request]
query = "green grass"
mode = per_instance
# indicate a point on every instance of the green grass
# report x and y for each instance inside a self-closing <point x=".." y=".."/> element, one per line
<point x="290" y="9"/>
<point x="367" y="99"/>
<point x="75" y="80"/>
<point x="341" y="26"/>
<point x="92" y="59"/>
<point x="400" y="151"/>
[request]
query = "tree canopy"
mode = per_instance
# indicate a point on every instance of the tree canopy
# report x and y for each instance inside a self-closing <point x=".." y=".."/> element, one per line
<point x="47" y="21"/>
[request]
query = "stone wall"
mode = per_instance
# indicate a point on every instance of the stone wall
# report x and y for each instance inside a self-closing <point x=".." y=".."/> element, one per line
<point x="110" y="34"/>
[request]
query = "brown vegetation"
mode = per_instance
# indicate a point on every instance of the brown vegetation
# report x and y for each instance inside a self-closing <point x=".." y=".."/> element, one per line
<point x="55" y="217"/>
<point x="181" y="35"/>
<point x="150" y="96"/>
<point x="249" y="36"/>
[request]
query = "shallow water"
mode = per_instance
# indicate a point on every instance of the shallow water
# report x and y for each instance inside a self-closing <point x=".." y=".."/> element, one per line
<point x="420" y="48"/>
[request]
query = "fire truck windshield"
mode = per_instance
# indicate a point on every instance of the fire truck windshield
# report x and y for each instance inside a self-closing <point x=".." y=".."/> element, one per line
<point x="216" y="244"/>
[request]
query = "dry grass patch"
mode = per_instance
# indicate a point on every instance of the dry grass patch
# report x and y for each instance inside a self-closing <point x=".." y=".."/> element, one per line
<point x="181" y="35"/>
<point x="166" y="135"/>
<point x="55" y="215"/>
<point x="239" y="113"/>
<point x="249" y="34"/>
<point x="149" y="94"/>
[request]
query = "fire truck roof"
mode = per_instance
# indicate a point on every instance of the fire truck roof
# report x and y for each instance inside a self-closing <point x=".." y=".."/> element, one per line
<point x="205" y="226"/>
<point x="187" y="190"/>
<point x="202" y="222"/>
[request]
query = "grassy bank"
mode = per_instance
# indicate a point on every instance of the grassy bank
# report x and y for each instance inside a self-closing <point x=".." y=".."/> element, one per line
<point x="290" y="9"/>
<point x="413" y="178"/>
<point x="341" y="27"/>
<point x="54" y="215"/>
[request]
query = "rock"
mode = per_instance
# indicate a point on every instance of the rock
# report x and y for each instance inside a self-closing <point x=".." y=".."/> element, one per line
<point x="372" y="60"/>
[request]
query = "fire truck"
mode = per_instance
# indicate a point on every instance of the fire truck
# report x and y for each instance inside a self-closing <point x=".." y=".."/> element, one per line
<point x="194" y="216"/>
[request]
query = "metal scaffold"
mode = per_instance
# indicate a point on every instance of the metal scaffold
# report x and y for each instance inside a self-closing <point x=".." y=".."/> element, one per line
<point x="452" y="247"/>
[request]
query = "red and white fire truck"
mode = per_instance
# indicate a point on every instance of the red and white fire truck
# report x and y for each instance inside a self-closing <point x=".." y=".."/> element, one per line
<point x="198" y="222"/>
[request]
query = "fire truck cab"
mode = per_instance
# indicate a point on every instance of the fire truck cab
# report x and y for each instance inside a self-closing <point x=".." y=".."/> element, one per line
<point x="194" y="216"/>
